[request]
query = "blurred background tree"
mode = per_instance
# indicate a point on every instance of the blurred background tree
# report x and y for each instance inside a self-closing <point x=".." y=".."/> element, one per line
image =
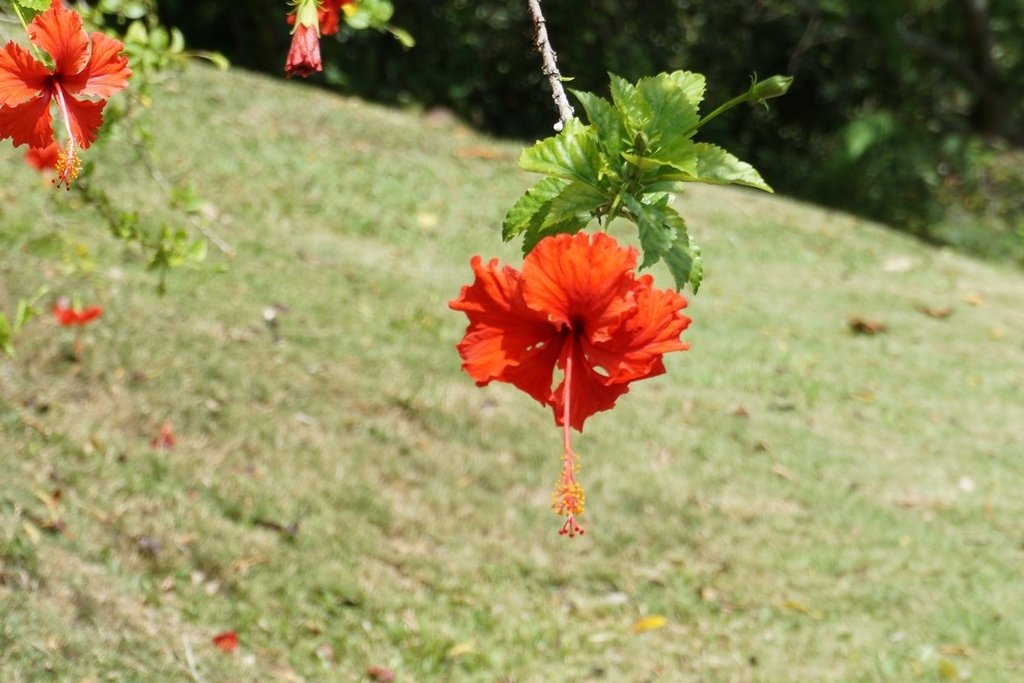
<point x="907" y="112"/>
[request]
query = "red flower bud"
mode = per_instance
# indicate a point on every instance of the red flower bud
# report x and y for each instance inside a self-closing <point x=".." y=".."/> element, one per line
<point x="304" y="55"/>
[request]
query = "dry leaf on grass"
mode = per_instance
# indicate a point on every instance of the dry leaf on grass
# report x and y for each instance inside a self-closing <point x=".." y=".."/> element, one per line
<point x="937" y="312"/>
<point x="480" y="152"/>
<point x="863" y="326"/>
<point x="649" y="623"/>
<point x="381" y="674"/>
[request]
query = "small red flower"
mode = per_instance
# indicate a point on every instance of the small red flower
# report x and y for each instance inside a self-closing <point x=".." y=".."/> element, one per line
<point x="44" y="159"/>
<point x="165" y="440"/>
<point x="67" y="316"/>
<point x="88" y="65"/>
<point x="226" y="641"/>
<point x="304" y="54"/>
<point x="576" y="307"/>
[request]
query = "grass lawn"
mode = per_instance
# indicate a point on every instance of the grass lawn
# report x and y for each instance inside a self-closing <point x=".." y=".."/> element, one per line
<point x="793" y="501"/>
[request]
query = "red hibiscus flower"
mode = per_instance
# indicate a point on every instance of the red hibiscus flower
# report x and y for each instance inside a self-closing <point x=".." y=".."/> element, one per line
<point x="70" y="317"/>
<point x="304" y="54"/>
<point x="88" y="65"/>
<point x="577" y="307"/>
<point x="44" y="159"/>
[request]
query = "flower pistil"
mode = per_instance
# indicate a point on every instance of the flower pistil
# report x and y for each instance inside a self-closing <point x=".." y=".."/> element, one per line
<point x="568" y="498"/>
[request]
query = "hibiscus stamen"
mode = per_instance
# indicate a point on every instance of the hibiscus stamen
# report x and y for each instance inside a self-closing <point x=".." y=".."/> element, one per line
<point x="68" y="165"/>
<point x="568" y="498"/>
<point x="68" y="162"/>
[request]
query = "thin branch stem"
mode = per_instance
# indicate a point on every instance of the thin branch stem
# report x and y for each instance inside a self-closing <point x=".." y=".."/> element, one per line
<point x="550" y="65"/>
<point x="24" y="25"/>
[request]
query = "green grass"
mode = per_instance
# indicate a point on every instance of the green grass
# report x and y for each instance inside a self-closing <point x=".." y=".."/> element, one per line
<point x="799" y="502"/>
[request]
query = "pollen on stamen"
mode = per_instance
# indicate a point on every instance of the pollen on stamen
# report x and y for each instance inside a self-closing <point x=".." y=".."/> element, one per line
<point x="568" y="498"/>
<point x="67" y="167"/>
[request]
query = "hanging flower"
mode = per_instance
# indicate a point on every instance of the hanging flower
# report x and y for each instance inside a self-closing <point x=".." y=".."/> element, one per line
<point x="304" y="54"/>
<point x="576" y="307"/>
<point x="71" y="317"/>
<point x="89" y="65"/>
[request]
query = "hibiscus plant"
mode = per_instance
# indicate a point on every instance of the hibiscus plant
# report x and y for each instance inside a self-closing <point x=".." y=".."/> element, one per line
<point x="576" y="326"/>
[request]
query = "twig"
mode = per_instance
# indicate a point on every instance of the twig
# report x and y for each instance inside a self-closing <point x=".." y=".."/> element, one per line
<point x="190" y="660"/>
<point x="159" y="178"/>
<point x="550" y="69"/>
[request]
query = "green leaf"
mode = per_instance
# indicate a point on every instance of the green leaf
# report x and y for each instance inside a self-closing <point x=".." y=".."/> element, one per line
<point x="715" y="166"/>
<point x="644" y="163"/>
<point x="672" y="99"/>
<point x="24" y="314"/>
<point x="633" y="107"/>
<point x="35" y="5"/>
<point x="657" y="223"/>
<point x="577" y="199"/>
<point x="531" y="208"/>
<point x="572" y="224"/>
<point x="6" y="344"/>
<point x="606" y="120"/>
<point x="572" y="154"/>
<point x="402" y="36"/>
<point x="692" y="84"/>
<point x="196" y="251"/>
<point x="684" y="261"/>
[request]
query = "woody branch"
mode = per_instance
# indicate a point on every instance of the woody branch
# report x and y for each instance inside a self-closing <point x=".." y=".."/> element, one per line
<point x="550" y="64"/>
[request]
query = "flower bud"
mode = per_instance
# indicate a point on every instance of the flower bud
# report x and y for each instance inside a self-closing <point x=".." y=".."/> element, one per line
<point x="776" y="86"/>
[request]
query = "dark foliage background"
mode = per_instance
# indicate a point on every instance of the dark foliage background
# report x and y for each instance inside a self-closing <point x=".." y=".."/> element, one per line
<point x="908" y="112"/>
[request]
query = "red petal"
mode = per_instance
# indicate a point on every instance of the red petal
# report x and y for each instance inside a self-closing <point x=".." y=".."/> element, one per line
<point x="106" y="73"/>
<point x="226" y="641"/>
<point x="28" y="123"/>
<point x="635" y="348"/>
<point x="580" y="280"/>
<point x="64" y="315"/>
<point x="304" y="55"/>
<point x="43" y="159"/>
<point x="505" y="340"/>
<point x="59" y="32"/>
<point x="89" y="314"/>
<point x="85" y="117"/>
<point x="330" y="17"/>
<point x="21" y="76"/>
<point x="590" y="391"/>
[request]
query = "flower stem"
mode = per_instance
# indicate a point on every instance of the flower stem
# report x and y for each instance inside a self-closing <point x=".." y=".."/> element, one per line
<point x="739" y="99"/>
<point x="24" y="25"/>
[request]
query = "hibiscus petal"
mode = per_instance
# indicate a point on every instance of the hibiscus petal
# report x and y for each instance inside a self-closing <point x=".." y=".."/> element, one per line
<point x="85" y="118"/>
<point x="21" y="76"/>
<point x="43" y="158"/>
<point x="106" y="72"/>
<point x="582" y="280"/>
<point x="59" y="31"/>
<point x="505" y="340"/>
<point x="28" y="123"/>
<point x="635" y="347"/>
<point x="589" y="392"/>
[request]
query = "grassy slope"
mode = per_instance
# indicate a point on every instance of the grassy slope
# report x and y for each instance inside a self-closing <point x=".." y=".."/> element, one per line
<point x="800" y="503"/>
